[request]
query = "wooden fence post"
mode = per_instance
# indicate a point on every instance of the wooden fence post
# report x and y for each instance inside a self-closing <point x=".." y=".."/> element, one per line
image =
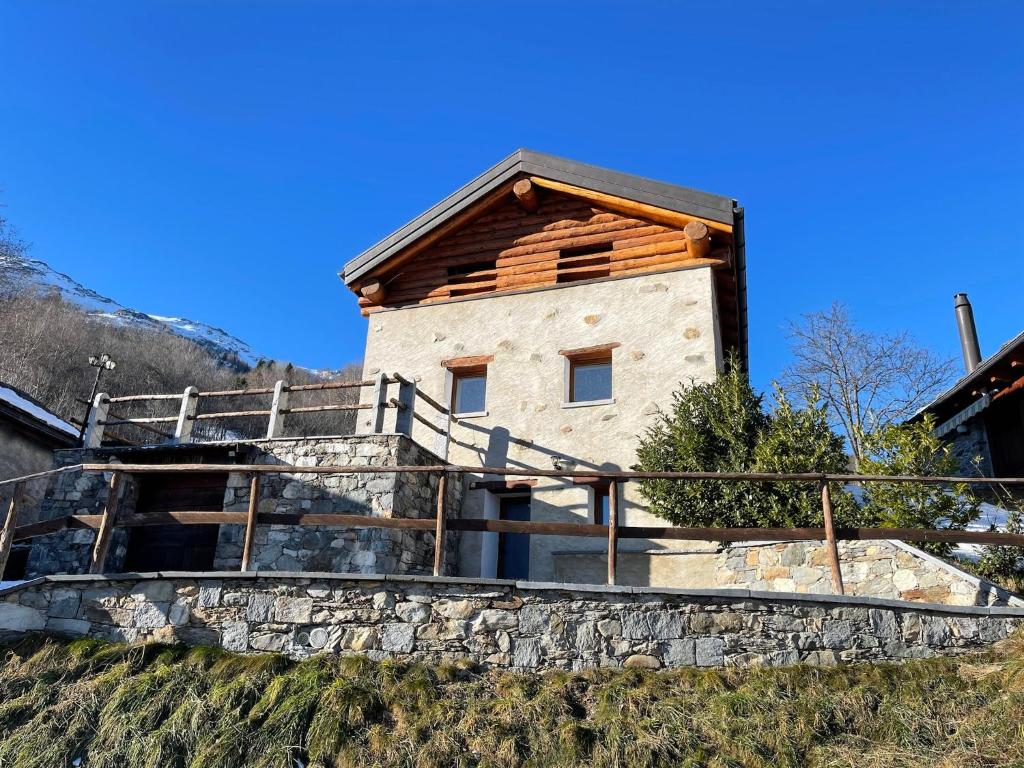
<point x="407" y="398"/>
<point x="107" y="523"/>
<point x="186" y="415"/>
<point x="830" y="535"/>
<point x="380" y="400"/>
<point x="95" y="424"/>
<point x="250" y="521"/>
<point x="613" y="530"/>
<point x="441" y="525"/>
<point x="7" y="534"/>
<point x="278" y="403"/>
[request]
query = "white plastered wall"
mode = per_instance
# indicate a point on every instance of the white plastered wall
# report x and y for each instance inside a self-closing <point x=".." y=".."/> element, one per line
<point x="667" y="331"/>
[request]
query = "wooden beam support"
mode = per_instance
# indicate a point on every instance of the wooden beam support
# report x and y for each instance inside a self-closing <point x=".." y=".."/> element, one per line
<point x="698" y="239"/>
<point x="7" y="534"/>
<point x="374" y="290"/>
<point x="526" y="194"/>
<point x="830" y="538"/>
<point x="613" y="531"/>
<point x="629" y="207"/>
<point x="107" y="523"/>
<point x="440" y="524"/>
<point x="250" y="520"/>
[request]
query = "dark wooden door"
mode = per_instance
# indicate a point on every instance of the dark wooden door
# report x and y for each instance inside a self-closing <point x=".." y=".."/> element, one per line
<point x="514" y="548"/>
<point x="176" y="547"/>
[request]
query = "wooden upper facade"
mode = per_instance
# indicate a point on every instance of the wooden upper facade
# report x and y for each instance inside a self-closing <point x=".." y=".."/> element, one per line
<point x="540" y="223"/>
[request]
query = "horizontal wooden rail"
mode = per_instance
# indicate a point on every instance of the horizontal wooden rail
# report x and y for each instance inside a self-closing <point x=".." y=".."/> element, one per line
<point x="329" y="385"/>
<point x="47" y="473"/>
<point x="140" y="421"/>
<point x="800" y="477"/>
<point x="318" y="408"/>
<point x="229" y="414"/>
<point x="141" y="398"/>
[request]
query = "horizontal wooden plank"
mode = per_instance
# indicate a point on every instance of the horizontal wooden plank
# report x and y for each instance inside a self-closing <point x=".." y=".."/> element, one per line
<point x="31" y="530"/>
<point x="523" y="526"/>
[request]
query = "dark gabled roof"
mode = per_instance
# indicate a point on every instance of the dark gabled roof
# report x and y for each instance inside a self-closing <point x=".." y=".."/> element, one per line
<point x="528" y="162"/>
<point x="962" y="394"/>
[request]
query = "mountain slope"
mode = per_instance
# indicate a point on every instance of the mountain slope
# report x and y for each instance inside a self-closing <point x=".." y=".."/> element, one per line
<point x="22" y="273"/>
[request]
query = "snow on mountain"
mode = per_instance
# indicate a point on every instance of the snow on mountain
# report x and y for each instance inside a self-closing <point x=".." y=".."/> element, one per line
<point x="32" y="274"/>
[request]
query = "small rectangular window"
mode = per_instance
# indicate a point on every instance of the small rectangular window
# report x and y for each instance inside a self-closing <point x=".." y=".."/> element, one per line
<point x="590" y="380"/>
<point x="469" y="393"/>
<point x="588" y="374"/>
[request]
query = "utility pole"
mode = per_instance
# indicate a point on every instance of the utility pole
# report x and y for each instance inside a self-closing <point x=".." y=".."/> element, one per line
<point x="101" y="364"/>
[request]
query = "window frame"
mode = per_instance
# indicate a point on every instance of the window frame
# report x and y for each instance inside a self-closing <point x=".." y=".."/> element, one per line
<point x="600" y="354"/>
<point x="458" y="369"/>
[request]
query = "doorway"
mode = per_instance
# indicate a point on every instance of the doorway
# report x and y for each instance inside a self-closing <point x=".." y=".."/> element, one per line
<point x="514" y="548"/>
<point x="175" y="547"/>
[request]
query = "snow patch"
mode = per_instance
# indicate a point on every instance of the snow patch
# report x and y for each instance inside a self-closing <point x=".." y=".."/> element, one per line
<point x="35" y="410"/>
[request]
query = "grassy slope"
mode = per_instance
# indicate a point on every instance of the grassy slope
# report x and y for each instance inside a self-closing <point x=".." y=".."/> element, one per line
<point x="121" y="706"/>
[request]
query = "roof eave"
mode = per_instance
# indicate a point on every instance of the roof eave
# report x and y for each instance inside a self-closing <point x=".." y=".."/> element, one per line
<point x="527" y="162"/>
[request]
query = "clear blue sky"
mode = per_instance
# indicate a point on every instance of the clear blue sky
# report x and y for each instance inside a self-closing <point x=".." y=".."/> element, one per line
<point x="222" y="160"/>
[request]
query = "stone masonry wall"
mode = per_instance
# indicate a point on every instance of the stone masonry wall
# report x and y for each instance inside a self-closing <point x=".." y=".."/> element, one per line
<point x="277" y="547"/>
<point x="494" y="623"/>
<point x="885" y="569"/>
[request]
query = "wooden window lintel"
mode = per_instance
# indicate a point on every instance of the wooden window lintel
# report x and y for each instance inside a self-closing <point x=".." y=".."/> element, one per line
<point x="587" y="351"/>
<point x="461" y="363"/>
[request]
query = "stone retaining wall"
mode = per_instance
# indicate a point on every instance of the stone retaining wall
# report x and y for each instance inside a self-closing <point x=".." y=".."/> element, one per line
<point x="495" y="623"/>
<point x="277" y="547"/>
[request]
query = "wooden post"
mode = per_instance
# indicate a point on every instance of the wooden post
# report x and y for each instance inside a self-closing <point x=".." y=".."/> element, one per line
<point x="407" y="397"/>
<point x="278" y="403"/>
<point x="380" y="399"/>
<point x="613" y="530"/>
<point x="830" y="535"/>
<point x="186" y="415"/>
<point x="95" y="423"/>
<point x="441" y="525"/>
<point x="107" y="523"/>
<point x="7" y="534"/>
<point x="250" y="520"/>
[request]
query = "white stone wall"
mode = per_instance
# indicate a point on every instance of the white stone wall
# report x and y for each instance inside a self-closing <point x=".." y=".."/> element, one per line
<point x="666" y="327"/>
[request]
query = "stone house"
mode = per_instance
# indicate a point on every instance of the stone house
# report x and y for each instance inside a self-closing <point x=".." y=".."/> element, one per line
<point x="555" y="307"/>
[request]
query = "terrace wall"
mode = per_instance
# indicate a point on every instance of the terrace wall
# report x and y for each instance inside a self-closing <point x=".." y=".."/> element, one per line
<point x="492" y="623"/>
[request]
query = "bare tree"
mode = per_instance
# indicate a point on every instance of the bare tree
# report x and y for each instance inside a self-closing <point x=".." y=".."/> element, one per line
<point x="867" y="379"/>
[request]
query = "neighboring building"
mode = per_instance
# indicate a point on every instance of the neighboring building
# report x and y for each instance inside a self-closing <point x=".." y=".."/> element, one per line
<point x="982" y="415"/>
<point x="29" y="434"/>
<point x="555" y="307"/>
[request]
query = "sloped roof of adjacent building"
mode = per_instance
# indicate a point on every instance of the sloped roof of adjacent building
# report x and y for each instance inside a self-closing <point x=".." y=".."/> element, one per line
<point x="524" y="161"/>
<point x="32" y="415"/>
<point x="996" y="376"/>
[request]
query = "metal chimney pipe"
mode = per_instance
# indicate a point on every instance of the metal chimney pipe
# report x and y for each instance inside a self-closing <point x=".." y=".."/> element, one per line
<point x="968" y="333"/>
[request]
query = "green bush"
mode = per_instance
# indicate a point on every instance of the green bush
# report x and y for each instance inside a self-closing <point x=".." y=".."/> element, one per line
<point x="722" y="426"/>
<point x="913" y="449"/>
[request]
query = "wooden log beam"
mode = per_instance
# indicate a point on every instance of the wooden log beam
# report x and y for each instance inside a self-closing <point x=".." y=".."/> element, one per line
<point x="374" y="290"/>
<point x="107" y="523"/>
<point x="250" y="520"/>
<point x="440" y="525"/>
<point x="698" y="239"/>
<point x="526" y="194"/>
<point x="10" y="524"/>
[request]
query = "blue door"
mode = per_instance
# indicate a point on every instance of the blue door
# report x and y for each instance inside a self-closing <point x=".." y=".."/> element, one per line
<point x="514" y="548"/>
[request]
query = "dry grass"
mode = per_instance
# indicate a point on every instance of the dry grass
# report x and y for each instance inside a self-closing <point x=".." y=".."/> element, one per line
<point x="147" y="706"/>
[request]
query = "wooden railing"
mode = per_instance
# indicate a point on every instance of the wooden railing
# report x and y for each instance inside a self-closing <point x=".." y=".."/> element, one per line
<point x="105" y="523"/>
<point x="276" y="411"/>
